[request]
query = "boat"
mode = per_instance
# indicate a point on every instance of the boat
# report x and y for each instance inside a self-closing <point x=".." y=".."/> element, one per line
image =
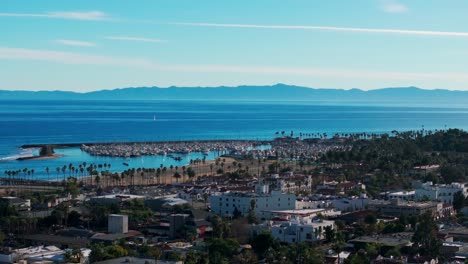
<point x="125" y="163"/>
<point x="154" y="118"/>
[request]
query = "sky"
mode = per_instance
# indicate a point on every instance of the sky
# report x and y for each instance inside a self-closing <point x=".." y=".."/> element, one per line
<point x="91" y="45"/>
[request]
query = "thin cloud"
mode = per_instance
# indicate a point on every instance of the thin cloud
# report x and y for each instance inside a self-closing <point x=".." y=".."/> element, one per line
<point x="74" y="15"/>
<point x="7" y="53"/>
<point x="70" y="42"/>
<point x="135" y="39"/>
<point x="70" y="57"/>
<point x="391" y="6"/>
<point x="328" y="28"/>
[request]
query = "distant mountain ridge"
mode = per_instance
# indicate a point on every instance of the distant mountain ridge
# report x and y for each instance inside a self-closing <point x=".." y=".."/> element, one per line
<point x="278" y="92"/>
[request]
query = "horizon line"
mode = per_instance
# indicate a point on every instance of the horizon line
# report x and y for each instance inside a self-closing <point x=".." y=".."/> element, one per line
<point x="240" y="86"/>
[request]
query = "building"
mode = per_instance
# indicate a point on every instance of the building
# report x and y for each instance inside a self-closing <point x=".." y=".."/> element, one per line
<point x="160" y="204"/>
<point x="40" y="254"/>
<point x="438" y="192"/>
<point x="351" y="204"/>
<point x="296" y="231"/>
<point x="402" y="195"/>
<point x="115" y="198"/>
<point x="18" y="203"/>
<point x="401" y="240"/>
<point x="226" y="204"/>
<point x="334" y="187"/>
<point x="397" y="208"/>
<point x="301" y="213"/>
<point x="117" y="224"/>
<point x="289" y="183"/>
<point x="424" y="170"/>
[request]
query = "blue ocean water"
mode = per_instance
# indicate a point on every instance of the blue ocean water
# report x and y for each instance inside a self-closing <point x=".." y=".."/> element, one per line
<point x="27" y="122"/>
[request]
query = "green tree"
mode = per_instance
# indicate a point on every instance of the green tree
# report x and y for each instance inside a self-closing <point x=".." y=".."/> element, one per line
<point x="425" y="237"/>
<point x="221" y="250"/>
<point x="196" y="257"/>
<point x="251" y="216"/>
<point x="262" y="242"/>
<point x="458" y="201"/>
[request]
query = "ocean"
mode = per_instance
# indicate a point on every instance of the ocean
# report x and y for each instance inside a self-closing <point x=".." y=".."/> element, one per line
<point x="31" y="122"/>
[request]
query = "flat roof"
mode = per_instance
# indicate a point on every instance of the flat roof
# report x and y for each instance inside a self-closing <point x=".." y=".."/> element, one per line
<point x="295" y="212"/>
<point x="120" y="195"/>
<point x="397" y="239"/>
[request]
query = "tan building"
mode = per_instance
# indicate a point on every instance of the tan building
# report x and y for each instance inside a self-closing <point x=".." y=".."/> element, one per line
<point x="397" y="207"/>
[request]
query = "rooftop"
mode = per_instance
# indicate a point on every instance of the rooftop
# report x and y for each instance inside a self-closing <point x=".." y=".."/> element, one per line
<point x="392" y="240"/>
<point x="299" y="212"/>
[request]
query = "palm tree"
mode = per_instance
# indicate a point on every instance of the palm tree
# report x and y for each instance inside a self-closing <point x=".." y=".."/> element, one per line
<point x="47" y="171"/>
<point x="177" y="176"/>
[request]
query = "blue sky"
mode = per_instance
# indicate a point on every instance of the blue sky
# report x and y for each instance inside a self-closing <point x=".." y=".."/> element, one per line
<point x="91" y="45"/>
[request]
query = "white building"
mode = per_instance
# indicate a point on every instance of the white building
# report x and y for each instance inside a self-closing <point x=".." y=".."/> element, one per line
<point x="313" y="204"/>
<point x="289" y="183"/>
<point x="350" y="204"/>
<point x="40" y="254"/>
<point x="301" y="230"/>
<point x="227" y="203"/>
<point x="402" y="195"/>
<point x="117" y="224"/>
<point x="438" y="192"/>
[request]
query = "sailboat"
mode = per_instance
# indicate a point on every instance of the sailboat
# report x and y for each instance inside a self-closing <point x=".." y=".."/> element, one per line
<point x="154" y="118"/>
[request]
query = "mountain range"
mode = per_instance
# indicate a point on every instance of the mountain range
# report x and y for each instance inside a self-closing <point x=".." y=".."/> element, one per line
<point x="278" y="92"/>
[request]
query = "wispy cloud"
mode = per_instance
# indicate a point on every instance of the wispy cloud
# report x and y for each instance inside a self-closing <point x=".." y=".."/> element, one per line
<point x="70" y="57"/>
<point x="392" y="6"/>
<point x="135" y="39"/>
<point x="70" y="42"/>
<point x="75" y="15"/>
<point x="7" y="53"/>
<point x="329" y="28"/>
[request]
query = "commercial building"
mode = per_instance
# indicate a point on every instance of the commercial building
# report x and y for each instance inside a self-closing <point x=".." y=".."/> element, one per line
<point x="438" y="192"/>
<point x="118" y="224"/>
<point x="296" y="231"/>
<point x="397" y="208"/>
<point x="402" y="195"/>
<point x="226" y="204"/>
<point x="289" y="183"/>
